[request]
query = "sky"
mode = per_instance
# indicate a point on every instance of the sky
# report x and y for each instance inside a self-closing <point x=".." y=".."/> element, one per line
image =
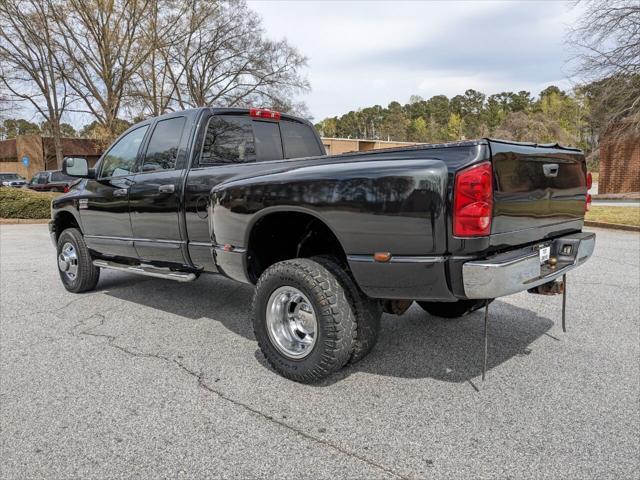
<point x="363" y="53"/>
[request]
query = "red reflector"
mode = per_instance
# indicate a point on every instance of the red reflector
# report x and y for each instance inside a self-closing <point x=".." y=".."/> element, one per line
<point x="589" y="180"/>
<point x="587" y="204"/>
<point x="473" y="201"/>
<point x="264" y="113"/>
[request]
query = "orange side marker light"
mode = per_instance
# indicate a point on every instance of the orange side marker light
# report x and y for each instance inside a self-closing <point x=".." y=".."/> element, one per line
<point x="382" y="256"/>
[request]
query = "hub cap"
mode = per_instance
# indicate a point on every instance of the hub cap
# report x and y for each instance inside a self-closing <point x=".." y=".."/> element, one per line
<point x="291" y="322"/>
<point x="68" y="261"/>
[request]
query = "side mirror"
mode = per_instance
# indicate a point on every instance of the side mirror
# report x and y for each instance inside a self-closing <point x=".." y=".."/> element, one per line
<point x="75" y="167"/>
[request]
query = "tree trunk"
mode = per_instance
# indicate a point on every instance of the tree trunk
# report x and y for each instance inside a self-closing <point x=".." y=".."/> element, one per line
<point x="57" y="142"/>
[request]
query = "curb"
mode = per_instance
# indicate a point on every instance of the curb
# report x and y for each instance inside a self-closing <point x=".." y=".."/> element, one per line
<point x="617" y="197"/>
<point x="612" y="226"/>
<point x="20" y="221"/>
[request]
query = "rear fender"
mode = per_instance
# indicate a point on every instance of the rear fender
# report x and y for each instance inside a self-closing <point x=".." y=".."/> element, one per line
<point x="395" y="206"/>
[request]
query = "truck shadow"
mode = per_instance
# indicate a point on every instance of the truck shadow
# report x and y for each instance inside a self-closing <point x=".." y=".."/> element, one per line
<point x="418" y="345"/>
<point x="415" y="345"/>
<point x="211" y="296"/>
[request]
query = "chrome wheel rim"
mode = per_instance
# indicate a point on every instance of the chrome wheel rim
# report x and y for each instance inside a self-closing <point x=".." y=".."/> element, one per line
<point x="291" y="322"/>
<point x="68" y="261"/>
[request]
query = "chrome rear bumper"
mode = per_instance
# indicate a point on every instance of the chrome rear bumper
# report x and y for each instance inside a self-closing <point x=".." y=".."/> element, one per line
<point x="519" y="270"/>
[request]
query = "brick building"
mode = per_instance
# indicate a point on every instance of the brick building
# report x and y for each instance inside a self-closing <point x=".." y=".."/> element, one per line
<point x="41" y="153"/>
<point x="619" y="162"/>
<point x="335" y="146"/>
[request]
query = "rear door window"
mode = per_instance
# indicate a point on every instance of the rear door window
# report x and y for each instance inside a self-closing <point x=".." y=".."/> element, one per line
<point x="228" y="140"/>
<point x="299" y="140"/>
<point x="268" y="142"/>
<point x="162" y="151"/>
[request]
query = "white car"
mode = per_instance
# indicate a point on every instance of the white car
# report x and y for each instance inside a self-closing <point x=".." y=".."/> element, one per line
<point x="12" y="180"/>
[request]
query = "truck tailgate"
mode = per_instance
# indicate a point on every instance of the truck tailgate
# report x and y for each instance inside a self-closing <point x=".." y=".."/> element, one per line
<point x="537" y="188"/>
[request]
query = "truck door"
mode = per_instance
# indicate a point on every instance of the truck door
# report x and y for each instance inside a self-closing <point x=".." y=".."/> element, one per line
<point x="225" y="148"/>
<point x="105" y="210"/>
<point x="154" y="196"/>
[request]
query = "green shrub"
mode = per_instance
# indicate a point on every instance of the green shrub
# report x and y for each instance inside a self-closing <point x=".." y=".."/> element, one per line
<point x="23" y="203"/>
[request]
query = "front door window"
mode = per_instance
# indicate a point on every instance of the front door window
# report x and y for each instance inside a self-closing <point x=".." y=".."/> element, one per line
<point x="121" y="158"/>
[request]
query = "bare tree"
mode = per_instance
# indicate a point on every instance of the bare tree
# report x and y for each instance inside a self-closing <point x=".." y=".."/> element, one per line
<point x="226" y="60"/>
<point x="154" y="89"/>
<point x="5" y="103"/>
<point x="103" y="42"/>
<point x="30" y="63"/>
<point x="607" y="38"/>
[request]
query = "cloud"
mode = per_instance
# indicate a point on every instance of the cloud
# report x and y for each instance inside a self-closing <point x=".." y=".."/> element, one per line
<point x="512" y="41"/>
<point x="365" y="53"/>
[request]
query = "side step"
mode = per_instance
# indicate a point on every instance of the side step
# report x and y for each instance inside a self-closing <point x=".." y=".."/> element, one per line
<point x="148" y="270"/>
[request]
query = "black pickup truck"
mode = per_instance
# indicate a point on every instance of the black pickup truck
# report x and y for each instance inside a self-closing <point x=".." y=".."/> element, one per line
<point x="329" y="241"/>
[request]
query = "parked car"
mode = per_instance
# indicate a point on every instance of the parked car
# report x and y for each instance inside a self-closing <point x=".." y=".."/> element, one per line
<point x="12" y="180"/>
<point x="328" y="241"/>
<point x="51" y="181"/>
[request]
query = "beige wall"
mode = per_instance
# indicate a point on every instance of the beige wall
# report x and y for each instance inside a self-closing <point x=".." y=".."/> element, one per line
<point x="336" y="146"/>
<point x="40" y="149"/>
<point x="31" y="146"/>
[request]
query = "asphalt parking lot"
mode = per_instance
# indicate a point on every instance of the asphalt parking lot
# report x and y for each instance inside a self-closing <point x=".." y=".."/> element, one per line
<point x="148" y="378"/>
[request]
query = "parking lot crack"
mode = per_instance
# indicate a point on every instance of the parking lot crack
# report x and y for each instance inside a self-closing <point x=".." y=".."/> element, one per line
<point x="199" y="377"/>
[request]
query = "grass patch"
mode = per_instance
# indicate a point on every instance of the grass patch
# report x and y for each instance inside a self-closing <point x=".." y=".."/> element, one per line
<point x="23" y="203"/>
<point x="619" y="215"/>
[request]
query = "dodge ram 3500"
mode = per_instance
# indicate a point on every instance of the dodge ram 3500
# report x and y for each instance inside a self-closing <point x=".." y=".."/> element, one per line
<point x="329" y="241"/>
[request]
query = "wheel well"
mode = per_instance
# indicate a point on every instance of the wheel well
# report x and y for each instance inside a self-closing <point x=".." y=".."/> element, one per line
<point x="285" y="235"/>
<point x="64" y="220"/>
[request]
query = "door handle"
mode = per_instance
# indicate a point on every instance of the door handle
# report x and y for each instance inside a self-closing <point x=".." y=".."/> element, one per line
<point x="120" y="192"/>
<point x="551" y="169"/>
<point x="167" y="188"/>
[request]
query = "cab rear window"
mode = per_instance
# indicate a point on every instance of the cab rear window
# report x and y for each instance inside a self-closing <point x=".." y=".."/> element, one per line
<point x="268" y="142"/>
<point x="241" y="139"/>
<point x="299" y="140"/>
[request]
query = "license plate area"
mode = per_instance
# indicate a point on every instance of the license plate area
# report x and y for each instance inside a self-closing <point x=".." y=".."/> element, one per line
<point x="544" y="254"/>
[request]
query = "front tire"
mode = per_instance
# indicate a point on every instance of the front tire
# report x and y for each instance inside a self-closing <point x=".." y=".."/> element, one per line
<point x="452" y="309"/>
<point x="303" y="320"/>
<point x="75" y="265"/>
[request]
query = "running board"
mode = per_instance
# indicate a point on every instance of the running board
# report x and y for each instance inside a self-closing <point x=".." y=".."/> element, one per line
<point x="148" y="270"/>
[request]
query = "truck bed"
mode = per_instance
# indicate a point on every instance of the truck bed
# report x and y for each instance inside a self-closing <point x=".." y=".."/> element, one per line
<point x="539" y="190"/>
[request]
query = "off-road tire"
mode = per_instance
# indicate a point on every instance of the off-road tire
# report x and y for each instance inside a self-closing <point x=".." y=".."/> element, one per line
<point x="335" y="319"/>
<point x="88" y="274"/>
<point x="452" y="309"/>
<point x="367" y="310"/>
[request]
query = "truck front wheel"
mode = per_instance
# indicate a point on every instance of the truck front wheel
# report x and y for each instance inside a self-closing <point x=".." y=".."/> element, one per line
<point x="75" y="265"/>
<point x="303" y="320"/>
<point x="452" y="309"/>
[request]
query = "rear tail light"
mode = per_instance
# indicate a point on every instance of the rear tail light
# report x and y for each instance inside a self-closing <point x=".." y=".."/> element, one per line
<point x="589" y="180"/>
<point x="587" y="205"/>
<point x="473" y="201"/>
<point x="66" y="189"/>
<point x="264" y="113"/>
